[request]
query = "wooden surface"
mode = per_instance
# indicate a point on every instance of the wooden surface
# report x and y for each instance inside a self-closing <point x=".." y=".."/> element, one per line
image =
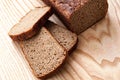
<point x="97" y="56"/>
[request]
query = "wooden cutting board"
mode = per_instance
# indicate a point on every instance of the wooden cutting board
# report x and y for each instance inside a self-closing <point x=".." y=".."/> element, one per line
<point x="97" y="56"/>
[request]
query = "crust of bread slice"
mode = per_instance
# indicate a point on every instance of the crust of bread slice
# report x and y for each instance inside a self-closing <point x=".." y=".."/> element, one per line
<point x="33" y="29"/>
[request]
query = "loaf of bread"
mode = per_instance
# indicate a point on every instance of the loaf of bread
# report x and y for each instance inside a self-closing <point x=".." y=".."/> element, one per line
<point x="78" y="15"/>
<point x="65" y="37"/>
<point x="30" y="24"/>
<point x="43" y="53"/>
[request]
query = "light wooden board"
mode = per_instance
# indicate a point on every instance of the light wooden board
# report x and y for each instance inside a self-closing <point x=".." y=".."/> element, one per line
<point x="97" y="56"/>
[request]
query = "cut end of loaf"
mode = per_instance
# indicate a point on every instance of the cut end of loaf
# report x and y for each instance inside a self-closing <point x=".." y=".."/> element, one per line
<point x="43" y="53"/>
<point x="30" y="24"/>
<point x="88" y="14"/>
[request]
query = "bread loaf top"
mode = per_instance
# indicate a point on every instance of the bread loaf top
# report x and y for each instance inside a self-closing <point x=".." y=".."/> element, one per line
<point x="78" y="15"/>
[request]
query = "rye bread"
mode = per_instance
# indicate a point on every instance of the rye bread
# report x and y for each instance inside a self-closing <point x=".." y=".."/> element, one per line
<point x="30" y="24"/>
<point x="78" y="15"/>
<point x="43" y="53"/>
<point x="65" y="37"/>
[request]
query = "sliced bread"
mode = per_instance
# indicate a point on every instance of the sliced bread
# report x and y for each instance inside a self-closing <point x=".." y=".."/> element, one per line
<point x="28" y="25"/>
<point x="65" y="37"/>
<point x="43" y="53"/>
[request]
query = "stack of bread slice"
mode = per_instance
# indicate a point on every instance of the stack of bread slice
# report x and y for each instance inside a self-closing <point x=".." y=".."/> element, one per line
<point x="45" y="46"/>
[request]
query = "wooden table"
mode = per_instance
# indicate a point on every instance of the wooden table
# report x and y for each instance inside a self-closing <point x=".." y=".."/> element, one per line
<point x="97" y="56"/>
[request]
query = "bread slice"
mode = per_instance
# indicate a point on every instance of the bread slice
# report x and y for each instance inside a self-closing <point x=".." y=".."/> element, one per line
<point x="43" y="53"/>
<point x="28" y="25"/>
<point x="78" y="15"/>
<point x="65" y="37"/>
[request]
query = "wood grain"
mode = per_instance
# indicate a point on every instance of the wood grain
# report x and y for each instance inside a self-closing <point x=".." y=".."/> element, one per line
<point x="97" y="56"/>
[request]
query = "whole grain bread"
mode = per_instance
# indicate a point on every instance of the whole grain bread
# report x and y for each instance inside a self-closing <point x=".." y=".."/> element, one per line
<point x="65" y="37"/>
<point x="30" y="24"/>
<point x="78" y="15"/>
<point x="43" y="53"/>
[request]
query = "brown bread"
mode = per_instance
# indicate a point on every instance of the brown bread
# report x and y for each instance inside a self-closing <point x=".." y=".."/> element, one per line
<point x="43" y="53"/>
<point x="78" y="15"/>
<point x="65" y="37"/>
<point x="30" y="24"/>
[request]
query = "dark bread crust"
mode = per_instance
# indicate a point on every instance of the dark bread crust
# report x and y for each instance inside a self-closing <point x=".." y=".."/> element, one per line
<point x="34" y="30"/>
<point x="73" y="48"/>
<point x="81" y="14"/>
<point x="58" y="12"/>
